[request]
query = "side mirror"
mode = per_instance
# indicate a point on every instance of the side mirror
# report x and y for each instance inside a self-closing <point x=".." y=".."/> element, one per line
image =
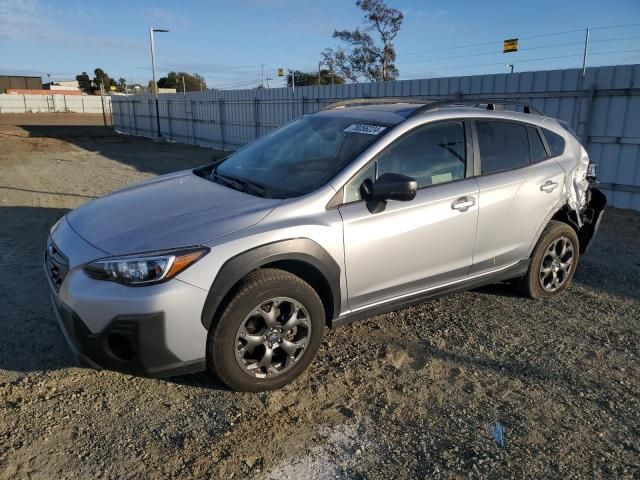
<point x="388" y="186"/>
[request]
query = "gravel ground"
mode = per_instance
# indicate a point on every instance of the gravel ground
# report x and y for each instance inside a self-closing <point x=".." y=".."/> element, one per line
<point x="411" y="394"/>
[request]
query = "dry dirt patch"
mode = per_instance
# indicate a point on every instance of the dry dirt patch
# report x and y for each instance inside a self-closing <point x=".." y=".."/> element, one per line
<point x="411" y="394"/>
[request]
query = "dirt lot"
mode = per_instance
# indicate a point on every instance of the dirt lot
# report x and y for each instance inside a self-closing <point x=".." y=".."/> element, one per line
<point x="411" y="394"/>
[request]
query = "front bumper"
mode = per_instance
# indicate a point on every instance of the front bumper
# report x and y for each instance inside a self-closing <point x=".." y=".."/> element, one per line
<point x="133" y="344"/>
<point x="153" y="330"/>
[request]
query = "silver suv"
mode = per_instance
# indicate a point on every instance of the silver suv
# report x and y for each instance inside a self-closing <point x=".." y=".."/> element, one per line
<point x="365" y="207"/>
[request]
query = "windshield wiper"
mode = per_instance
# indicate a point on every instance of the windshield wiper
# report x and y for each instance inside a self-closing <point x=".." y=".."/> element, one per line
<point x="240" y="183"/>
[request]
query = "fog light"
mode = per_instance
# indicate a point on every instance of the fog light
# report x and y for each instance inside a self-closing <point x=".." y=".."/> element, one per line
<point x="121" y="347"/>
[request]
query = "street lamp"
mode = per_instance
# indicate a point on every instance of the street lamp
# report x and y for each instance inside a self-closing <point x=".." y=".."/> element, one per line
<point x="153" y="68"/>
<point x="510" y="65"/>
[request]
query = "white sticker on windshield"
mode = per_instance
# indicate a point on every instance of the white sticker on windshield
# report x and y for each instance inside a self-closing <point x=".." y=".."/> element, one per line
<point x="366" y="129"/>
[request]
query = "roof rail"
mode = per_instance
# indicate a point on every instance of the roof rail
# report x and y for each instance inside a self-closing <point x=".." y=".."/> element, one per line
<point x="353" y="102"/>
<point x="487" y="103"/>
<point x="429" y="104"/>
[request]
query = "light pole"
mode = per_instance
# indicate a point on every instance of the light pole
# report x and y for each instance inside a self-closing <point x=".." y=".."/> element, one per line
<point x="510" y="65"/>
<point x="584" y="56"/>
<point x="153" y="68"/>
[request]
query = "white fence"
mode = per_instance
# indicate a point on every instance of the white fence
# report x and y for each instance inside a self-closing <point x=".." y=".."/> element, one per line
<point x="10" y="103"/>
<point x="603" y="107"/>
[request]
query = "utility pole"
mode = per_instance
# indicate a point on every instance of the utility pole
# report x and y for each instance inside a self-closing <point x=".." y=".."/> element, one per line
<point x="319" y="72"/>
<point x="104" y="115"/>
<point x="153" y="68"/>
<point x="262" y="75"/>
<point x="293" y="80"/>
<point x="184" y="90"/>
<point x="584" y="57"/>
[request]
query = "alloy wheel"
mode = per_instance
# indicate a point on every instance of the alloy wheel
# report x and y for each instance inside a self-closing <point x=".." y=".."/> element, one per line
<point x="273" y="337"/>
<point x="556" y="264"/>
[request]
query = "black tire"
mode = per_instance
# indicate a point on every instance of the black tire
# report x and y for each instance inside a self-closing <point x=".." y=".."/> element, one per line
<point x="222" y="342"/>
<point x="537" y="284"/>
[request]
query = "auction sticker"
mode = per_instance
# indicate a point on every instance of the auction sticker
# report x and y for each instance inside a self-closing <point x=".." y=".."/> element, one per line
<point x="366" y="129"/>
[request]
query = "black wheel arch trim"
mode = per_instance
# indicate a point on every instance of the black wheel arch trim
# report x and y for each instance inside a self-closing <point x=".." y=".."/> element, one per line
<point x="296" y="249"/>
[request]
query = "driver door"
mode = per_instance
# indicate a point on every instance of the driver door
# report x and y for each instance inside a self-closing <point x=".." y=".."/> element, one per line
<point x="416" y="245"/>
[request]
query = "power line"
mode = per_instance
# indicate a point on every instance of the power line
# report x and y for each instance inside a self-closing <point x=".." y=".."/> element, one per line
<point x="615" y="26"/>
<point x="237" y="84"/>
<point x="272" y="69"/>
<point x="529" y="37"/>
<point x="529" y="60"/>
<point x="541" y="47"/>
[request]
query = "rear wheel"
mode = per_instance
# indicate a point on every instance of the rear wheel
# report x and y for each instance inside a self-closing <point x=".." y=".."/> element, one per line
<point x="553" y="262"/>
<point x="268" y="332"/>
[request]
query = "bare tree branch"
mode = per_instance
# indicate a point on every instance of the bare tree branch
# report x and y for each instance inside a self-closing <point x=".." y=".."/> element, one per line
<point x="364" y="57"/>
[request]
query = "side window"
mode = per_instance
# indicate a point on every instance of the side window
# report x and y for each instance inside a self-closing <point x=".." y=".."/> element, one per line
<point x="555" y="142"/>
<point x="430" y="154"/>
<point x="352" y="190"/>
<point x="503" y="146"/>
<point x="538" y="153"/>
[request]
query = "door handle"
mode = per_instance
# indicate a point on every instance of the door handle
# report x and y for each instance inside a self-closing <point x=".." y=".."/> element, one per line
<point x="463" y="204"/>
<point x="549" y="186"/>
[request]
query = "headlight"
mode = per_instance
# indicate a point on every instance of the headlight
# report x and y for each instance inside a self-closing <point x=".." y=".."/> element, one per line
<point x="144" y="269"/>
<point x="56" y="225"/>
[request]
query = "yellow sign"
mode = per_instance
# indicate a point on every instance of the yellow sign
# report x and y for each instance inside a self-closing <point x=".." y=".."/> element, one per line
<point x="281" y="72"/>
<point x="510" y="45"/>
<point x="112" y="88"/>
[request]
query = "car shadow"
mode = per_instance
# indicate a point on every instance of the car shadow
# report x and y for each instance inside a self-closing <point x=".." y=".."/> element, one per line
<point x="502" y="289"/>
<point x="31" y="339"/>
<point x="140" y="153"/>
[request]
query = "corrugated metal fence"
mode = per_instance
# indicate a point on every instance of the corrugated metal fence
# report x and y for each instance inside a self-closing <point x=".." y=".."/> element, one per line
<point x="603" y="107"/>
<point x="54" y="103"/>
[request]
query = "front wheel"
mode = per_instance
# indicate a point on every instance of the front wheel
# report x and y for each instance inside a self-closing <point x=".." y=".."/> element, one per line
<point x="553" y="262"/>
<point x="268" y="333"/>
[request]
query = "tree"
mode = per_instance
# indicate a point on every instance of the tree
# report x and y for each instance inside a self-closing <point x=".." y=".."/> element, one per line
<point x="311" y="78"/>
<point x="363" y="56"/>
<point x="122" y="85"/>
<point x="192" y="83"/>
<point x="84" y="82"/>
<point x="101" y="78"/>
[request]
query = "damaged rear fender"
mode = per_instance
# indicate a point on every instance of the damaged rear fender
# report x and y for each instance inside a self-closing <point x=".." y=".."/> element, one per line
<point x="585" y="221"/>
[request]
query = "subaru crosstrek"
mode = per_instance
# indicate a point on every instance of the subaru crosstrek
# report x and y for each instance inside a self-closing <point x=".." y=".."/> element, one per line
<point x="362" y="208"/>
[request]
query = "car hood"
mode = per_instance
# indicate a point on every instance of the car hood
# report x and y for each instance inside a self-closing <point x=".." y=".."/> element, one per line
<point x="175" y="210"/>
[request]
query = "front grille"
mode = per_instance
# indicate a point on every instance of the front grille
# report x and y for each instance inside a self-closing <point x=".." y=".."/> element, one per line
<point x="56" y="265"/>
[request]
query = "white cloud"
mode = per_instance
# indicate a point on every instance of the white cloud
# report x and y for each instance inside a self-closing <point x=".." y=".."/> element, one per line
<point x="21" y="18"/>
<point x="31" y="21"/>
<point x="165" y="18"/>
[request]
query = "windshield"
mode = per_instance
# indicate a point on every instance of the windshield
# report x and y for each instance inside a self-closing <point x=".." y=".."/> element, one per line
<point x="299" y="157"/>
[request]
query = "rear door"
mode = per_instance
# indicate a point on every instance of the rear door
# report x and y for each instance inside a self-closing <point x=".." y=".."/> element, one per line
<point x="516" y="193"/>
<point x="414" y="245"/>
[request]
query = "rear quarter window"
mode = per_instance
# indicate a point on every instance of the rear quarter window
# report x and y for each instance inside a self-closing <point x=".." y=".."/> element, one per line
<point x="503" y="145"/>
<point x="538" y="153"/>
<point x="556" y="143"/>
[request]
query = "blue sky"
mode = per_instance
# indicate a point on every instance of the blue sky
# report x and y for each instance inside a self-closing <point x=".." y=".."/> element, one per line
<point x="227" y="40"/>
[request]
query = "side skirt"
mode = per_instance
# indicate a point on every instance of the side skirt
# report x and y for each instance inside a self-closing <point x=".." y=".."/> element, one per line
<point x="515" y="271"/>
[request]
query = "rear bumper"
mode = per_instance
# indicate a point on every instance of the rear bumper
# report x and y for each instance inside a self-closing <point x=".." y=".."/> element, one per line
<point x="129" y="343"/>
<point x="591" y="217"/>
